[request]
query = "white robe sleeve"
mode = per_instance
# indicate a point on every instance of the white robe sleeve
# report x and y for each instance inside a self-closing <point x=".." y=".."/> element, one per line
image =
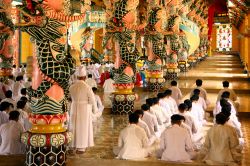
<point x="92" y="100"/>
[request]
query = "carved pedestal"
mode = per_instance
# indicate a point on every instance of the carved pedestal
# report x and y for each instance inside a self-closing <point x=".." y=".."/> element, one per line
<point x="123" y="100"/>
<point x="46" y="141"/>
<point x="172" y="73"/>
<point x="155" y="84"/>
<point x="182" y="65"/>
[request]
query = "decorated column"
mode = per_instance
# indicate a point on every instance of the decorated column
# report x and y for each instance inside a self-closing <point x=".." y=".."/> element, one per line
<point x="6" y="34"/>
<point x="121" y="30"/>
<point x="48" y="137"/>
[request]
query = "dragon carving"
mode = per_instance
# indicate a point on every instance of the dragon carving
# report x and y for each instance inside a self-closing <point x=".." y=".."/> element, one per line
<point x="54" y="62"/>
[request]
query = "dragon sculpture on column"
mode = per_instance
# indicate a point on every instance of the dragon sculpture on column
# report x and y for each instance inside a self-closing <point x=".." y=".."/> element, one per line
<point x="121" y="29"/>
<point x="6" y="33"/>
<point x="53" y="65"/>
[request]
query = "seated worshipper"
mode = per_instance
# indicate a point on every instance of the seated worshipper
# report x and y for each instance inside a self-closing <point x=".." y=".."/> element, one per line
<point x="5" y="108"/>
<point x="150" y="103"/>
<point x="18" y="85"/>
<point x="108" y="85"/>
<point x="203" y="92"/>
<point x="189" y="120"/>
<point x="133" y="141"/>
<point x="226" y="110"/>
<point x="164" y="104"/>
<point x="197" y="111"/>
<point x="100" y="106"/>
<point x="225" y="96"/>
<point x="171" y="102"/>
<point x="24" y="117"/>
<point x="9" y="99"/>
<point x="233" y="96"/>
<point x="176" y="144"/>
<point x="160" y="112"/>
<point x="23" y="93"/>
<point x="221" y="144"/>
<point x="201" y="99"/>
<point x="149" y="119"/>
<point x="11" y="133"/>
<point x="176" y="92"/>
<point x="82" y="107"/>
<point x="90" y="81"/>
<point x="27" y="107"/>
<point x="141" y="123"/>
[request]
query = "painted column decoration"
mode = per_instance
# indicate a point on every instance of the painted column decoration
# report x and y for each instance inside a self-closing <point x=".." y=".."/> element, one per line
<point x="6" y="34"/>
<point x="121" y="30"/>
<point x="45" y="22"/>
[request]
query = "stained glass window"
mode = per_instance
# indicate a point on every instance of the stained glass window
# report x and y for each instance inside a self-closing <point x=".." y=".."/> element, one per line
<point x="224" y="37"/>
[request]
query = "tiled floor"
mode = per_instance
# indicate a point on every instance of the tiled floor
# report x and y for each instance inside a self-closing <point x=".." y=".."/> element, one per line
<point x="108" y="127"/>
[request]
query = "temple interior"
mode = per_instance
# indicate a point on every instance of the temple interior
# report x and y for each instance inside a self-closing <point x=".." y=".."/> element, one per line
<point x="132" y="50"/>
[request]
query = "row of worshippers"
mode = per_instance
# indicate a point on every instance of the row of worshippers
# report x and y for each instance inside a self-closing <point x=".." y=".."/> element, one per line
<point x="179" y="139"/>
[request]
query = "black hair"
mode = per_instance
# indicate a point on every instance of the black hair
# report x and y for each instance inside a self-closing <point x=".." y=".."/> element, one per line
<point x="221" y="118"/>
<point x="168" y="92"/>
<point x="139" y="112"/>
<point x="23" y="91"/>
<point x="20" y="104"/>
<point x="173" y="83"/>
<point x="182" y="107"/>
<point x="225" y="94"/>
<point x="89" y="75"/>
<point x="19" y="78"/>
<point x="160" y="95"/>
<point x="226" y="111"/>
<point x="94" y="89"/>
<point x="194" y="98"/>
<point x="133" y="118"/>
<point x="198" y="82"/>
<point x="145" y="107"/>
<point x="225" y="84"/>
<point x="8" y="94"/>
<point x="224" y="102"/>
<point x="14" y="115"/>
<point x="197" y="92"/>
<point x="188" y="103"/>
<point x="155" y="100"/>
<point x="5" y="105"/>
<point x="176" y="118"/>
<point x="149" y="102"/>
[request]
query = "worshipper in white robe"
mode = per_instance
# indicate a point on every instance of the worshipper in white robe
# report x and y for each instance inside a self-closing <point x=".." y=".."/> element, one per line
<point x="176" y="92"/>
<point x="108" y="88"/>
<point x="233" y="95"/>
<point x="82" y="107"/>
<point x="203" y="92"/>
<point x="221" y="144"/>
<point x="164" y="104"/>
<point x="133" y="141"/>
<point x="171" y="102"/>
<point x="91" y="82"/>
<point x="201" y="100"/>
<point x="10" y="133"/>
<point x="176" y="144"/>
<point x="9" y="83"/>
<point x="18" y="85"/>
<point x="5" y="108"/>
<point x="149" y="119"/>
<point x="9" y="99"/>
<point x="24" y="117"/>
<point x="197" y="111"/>
<point x="141" y="123"/>
<point x="189" y="120"/>
<point x="23" y="93"/>
<point x="150" y="103"/>
<point x="99" y="104"/>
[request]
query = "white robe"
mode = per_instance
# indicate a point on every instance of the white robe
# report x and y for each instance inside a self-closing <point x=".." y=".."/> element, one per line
<point x="176" y="94"/>
<point x="83" y="102"/>
<point x="151" y="121"/>
<point x="197" y="113"/>
<point x="220" y="145"/>
<point x="133" y="143"/>
<point x="91" y="82"/>
<point x="11" y="138"/>
<point x="176" y="144"/>
<point x="108" y="86"/>
<point x="203" y="93"/>
<point x="232" y="96"/>
<point x="172" y="105"/>
<point x="144" y="126"/>
<point x="17" y="89"/>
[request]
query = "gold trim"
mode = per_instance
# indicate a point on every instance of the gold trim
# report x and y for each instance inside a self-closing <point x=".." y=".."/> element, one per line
<point x="47" y="128"/>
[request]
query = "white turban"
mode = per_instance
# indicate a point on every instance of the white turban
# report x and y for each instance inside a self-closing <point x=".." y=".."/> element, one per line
<point x="81" y="71"/>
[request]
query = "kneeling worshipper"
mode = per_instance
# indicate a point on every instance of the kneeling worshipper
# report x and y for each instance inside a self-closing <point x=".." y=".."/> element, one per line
<point x="10" y="133"/>
<point x="133" y="143"/>
<point x="99" y="104"/>
<point x="221" y="144"/>
<point x="176" y="144"/>
<point x="149" y="119"/>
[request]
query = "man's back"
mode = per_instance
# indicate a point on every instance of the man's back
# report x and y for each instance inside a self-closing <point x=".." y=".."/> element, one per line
<point x="176" y="94"/>
<point x="79" y="91"/>
<point x="132" y="141"/>
<point x="11" y="138"/>
<point x="232" y="96"/>
<point x="175" y="142"/>
<point x="151" y="121"/>
<point x="221" y="144"/>
<point x="91" y="82"/>
<point x="108" y="86"/>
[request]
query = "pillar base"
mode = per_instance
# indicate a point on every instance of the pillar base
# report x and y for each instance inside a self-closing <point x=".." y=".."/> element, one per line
<point x="172" y="74"/>
<point x="123" y="103"/>
<point x="155" y="84"/>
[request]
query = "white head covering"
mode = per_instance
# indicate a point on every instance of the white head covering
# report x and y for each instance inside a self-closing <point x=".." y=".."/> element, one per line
<point x="81" y="71"/>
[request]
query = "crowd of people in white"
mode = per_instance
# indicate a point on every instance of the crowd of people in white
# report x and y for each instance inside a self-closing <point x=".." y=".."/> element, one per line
<point x="176" y="125"/>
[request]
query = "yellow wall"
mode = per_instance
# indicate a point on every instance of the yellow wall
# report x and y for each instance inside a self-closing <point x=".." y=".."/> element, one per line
<point x="26" y="47"/>
<point x="235" y="44"/>
<point x="98" y="40"/>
